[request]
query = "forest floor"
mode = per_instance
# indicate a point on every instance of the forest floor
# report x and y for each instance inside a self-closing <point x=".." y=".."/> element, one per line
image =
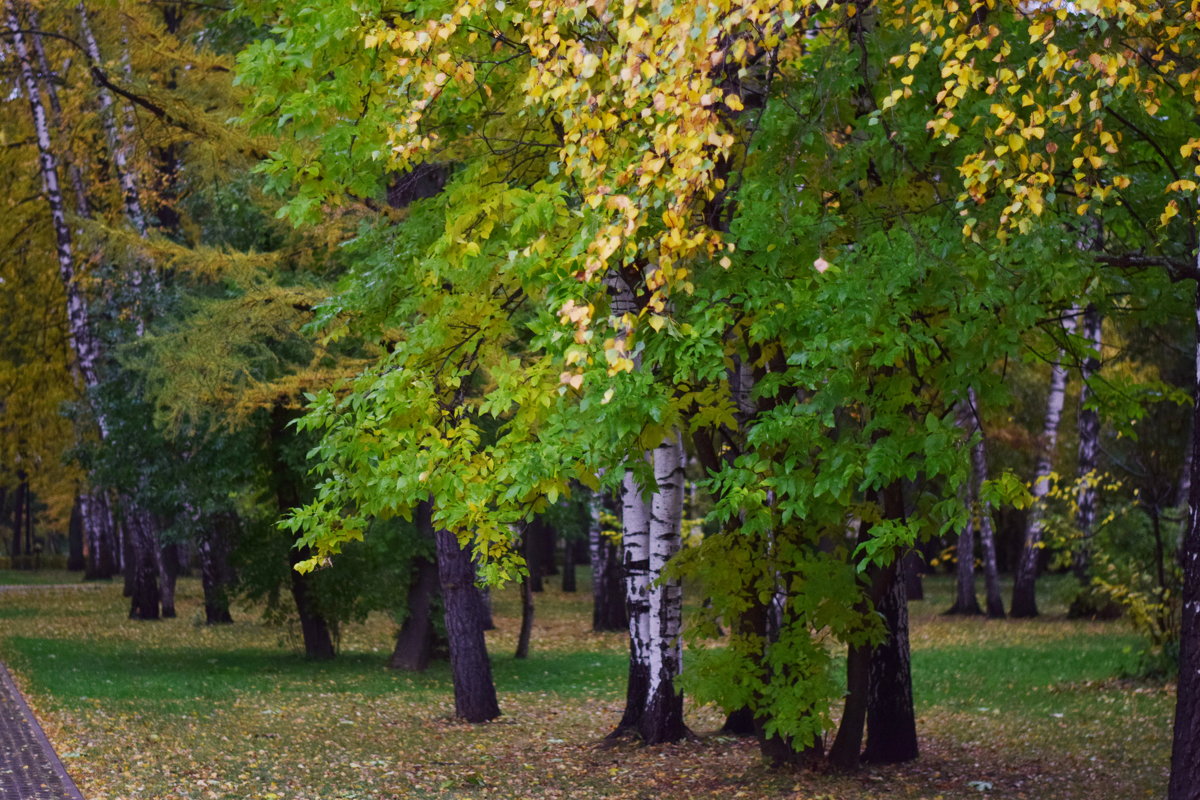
<point x="175" y="709"/>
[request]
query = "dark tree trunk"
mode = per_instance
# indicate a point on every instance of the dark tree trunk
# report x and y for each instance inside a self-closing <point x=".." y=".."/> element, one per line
<point x="891" y="721"/>
<point x="965" y="601"/>
<point x="29" y="524"/>
<point x="568" y="573"/>
<point x="1185" y="753"/>
<point x="145" y="594"/>
<point x="18" y="519"/>
<point x="75" y="560"/>
<point x="535" y="535"/>
<point x="608" y="589"/>
<point x="910" y="567"/>
<point x="526" y="620"/>
<point x="847" y="745"/>
<point x="169" y="572"/>
<point x="318" y="642"/>
<point x="314" y="628"/>
<point x="474" y="692"/>
<point x="127" y="543"/>
<point x="216" y="575"/>
<point x="740" y="722"/>
<point x="414" y="642"/>
<point x="485" y="609"/>
<point x="549" y="543"/>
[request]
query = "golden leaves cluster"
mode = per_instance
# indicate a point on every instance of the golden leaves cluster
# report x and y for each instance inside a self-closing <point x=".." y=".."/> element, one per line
<point x="1051" y="76"/>
<point x="642" y="96"/>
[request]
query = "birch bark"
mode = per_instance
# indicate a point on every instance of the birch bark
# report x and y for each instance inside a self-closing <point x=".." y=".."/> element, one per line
<point x="1024" y="599"/>
<point x="635" y="547"/>
<point x="662" y="720"/>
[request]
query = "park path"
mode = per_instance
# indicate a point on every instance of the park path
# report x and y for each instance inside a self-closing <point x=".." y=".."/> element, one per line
<point x="29" y="767"/>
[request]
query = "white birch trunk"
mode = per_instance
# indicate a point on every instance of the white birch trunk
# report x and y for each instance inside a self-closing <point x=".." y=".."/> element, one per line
<point x="119" y="146"/>
<point x="635" y="547"/>
<point x="663" y="718"/>
<point x="83" y="343"/>
<point x="1024" y="602"/>
<point x="82" y="208"/>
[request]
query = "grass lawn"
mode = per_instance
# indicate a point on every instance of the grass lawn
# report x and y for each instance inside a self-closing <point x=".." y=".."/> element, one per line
<point x="174" y="709"/>
<point x="20" y="577"/>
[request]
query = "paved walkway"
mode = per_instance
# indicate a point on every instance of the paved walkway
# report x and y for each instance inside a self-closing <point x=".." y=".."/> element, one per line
<point x="29" y="767"/>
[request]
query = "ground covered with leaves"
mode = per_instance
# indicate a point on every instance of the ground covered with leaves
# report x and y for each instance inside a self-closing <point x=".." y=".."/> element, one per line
<point x="174" y="709"/>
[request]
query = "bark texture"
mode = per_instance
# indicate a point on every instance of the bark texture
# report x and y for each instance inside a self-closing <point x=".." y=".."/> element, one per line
<point x="891" y="721"/>
<point x="414" y="642"/>
<point x="1089" y="448"/>
<point x="314" y="629"/>
<point x="216" y="574"/>
<point x="662" y="720"/>
<point x="1184" y="783"/>
<point x="608" y="593"/>
<point x="635" y="521"/>
<point x="987" y="532"/>
<point x="1024" y="598"/>
<point x="474" y="692"/>
<point x="965" y="601"/>
<point x="145" y="593"/>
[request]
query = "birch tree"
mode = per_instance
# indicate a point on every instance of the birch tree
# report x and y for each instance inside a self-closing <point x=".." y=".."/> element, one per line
<point x="1024" y="598"/>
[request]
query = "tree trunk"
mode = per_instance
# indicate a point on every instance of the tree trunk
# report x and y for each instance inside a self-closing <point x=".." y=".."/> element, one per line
<point x="662" y="721"/>
<point x="965" y="601"/>
<point x="878" y="680"/>
<point x="168" y="572"/>
<point x="145" y="595"/>
<point x="891" y="720"/>
<point x="847" y="744"/>
<point x="485" y="609"/>
<point x="987" y="532"/>
<point x="216" y="576"/>
<point x="526" y="620"/>
<point x="549" y="552"/>
<point x="29" y="524"/>
<point x="635" y="521"/>
<point x="534" y="550"/>
<point x="1089" y="447"/>
<point x="1024" y="599"/>
<point x="18" y="520"/>
<point x="1185" y="753"/>
<point x="608" y="595"/>
<point x="474" y="692"/>
<point x="414" y="642"/>
<point x="75" y="560"/>
<point x="314" y="629"/>
<point x="910" y="568"/>
<point x="568" y="571"/>
<point x="98" y="531"/>
<point x="740" y="722"/>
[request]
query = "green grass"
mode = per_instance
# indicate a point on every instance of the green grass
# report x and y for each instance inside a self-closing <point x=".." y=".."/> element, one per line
<point x="20" y="577"/>
<point x="176" y="709"/>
